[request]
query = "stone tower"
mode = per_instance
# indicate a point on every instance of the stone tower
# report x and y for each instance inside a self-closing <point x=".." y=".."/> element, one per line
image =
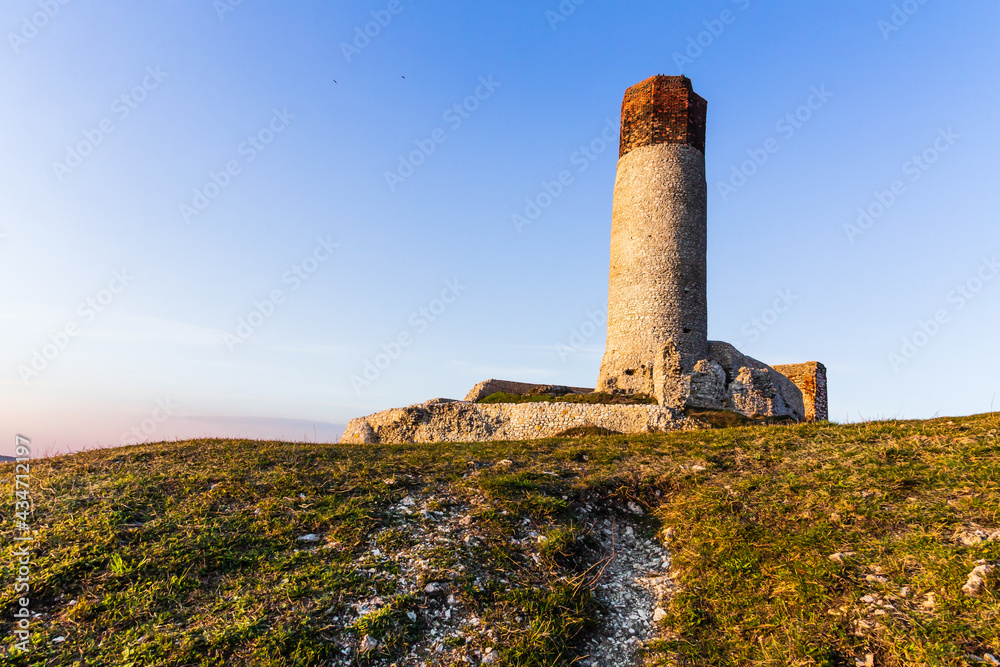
<point x="657" y="301"/>
<point x="657" y="311"/>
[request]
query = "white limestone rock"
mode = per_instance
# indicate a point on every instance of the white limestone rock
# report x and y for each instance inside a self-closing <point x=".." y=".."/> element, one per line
<point x="708" y="386"/>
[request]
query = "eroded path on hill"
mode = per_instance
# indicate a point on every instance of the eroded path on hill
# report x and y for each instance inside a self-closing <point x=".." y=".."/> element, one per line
<point x="457" y="581"/>
<point x="633" y="588"/>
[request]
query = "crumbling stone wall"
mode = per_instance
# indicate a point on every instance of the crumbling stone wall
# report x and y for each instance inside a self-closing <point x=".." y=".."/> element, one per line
<point x="810" y="378"/>
<point x="442" y="420"/>
<point x="657" y="285"/>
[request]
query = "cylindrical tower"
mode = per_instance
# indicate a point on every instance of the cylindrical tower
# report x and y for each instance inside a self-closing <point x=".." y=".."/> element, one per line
<point x="657" y="297"/>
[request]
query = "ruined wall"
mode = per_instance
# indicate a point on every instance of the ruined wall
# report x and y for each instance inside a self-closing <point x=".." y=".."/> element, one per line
<point x="663" y="110"/>
<point x="461" y="421"/>
<point x="657" y="284"/>
<point x="810" y="378"/>
<point x="487" y="387"/>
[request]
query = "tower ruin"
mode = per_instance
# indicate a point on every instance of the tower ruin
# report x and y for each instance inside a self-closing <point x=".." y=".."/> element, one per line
<point x="657" y="312"/>
<point x="657" y="301"/>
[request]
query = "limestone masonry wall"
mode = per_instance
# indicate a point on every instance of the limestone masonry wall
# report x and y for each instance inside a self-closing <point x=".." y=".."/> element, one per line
<point x="810" y="378"/>
<point x="658" y="281"/>
<point x="442" y="420"/>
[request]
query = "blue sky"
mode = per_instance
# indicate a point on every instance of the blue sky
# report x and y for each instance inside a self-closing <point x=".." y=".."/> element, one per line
<point x="172" y="169"/>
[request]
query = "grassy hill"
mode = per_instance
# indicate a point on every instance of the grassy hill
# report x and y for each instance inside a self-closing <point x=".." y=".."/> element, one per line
<point x="221" y="552"/>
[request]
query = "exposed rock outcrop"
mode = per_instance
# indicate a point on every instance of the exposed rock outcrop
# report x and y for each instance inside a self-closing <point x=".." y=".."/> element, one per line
<point x="726" y="380"/>
<point x="753" y="388"/>
<point x="708" y="386"/>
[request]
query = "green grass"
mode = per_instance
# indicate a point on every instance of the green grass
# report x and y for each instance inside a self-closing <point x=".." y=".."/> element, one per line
<point x="186" y="553"/>
<point x="730" y="419"/>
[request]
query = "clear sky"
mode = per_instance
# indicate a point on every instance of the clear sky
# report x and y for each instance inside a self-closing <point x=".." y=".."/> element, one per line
<point x="215" y="214"/>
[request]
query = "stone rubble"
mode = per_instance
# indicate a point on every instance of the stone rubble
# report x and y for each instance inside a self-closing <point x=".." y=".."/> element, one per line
<point x="978" y="578"/>
<point x="628" y="577"/>
<point x="974" y="536"/>
<point x="634" y="589"/>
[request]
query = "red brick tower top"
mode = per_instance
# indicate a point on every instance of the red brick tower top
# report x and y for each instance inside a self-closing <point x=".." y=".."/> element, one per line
<point x="663" y="110"/>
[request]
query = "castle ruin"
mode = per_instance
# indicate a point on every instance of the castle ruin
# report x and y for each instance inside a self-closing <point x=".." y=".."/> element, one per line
<point x="657" y="342"/>
<point x="657" y="292"/>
